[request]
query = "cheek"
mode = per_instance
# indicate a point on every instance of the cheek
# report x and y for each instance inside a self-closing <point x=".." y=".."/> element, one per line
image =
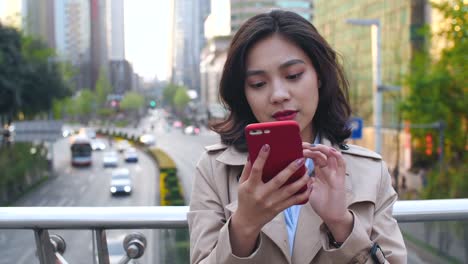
<point x="256" y="103"/>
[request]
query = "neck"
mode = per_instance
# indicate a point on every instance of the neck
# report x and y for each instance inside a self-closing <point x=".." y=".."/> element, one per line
<point x="308" y="134"/>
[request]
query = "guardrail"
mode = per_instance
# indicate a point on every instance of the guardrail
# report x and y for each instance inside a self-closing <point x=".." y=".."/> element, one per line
<point x="50" y="248"/>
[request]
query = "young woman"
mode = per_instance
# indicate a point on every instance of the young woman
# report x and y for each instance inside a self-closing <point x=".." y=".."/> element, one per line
<point x="280" y="68"/>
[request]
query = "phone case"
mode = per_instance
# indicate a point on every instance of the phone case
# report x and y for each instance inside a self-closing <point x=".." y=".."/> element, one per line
<point x="285" y="146"/>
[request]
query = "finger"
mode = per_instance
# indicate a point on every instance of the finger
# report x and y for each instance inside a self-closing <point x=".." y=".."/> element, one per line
<point x="245" y="172"/>
<point x="257" y="167"/>
<point x="318" y="157"/>
<point x="339" y="158"/>
<point x="332" y="163"/>
<point x="291" y="189"/>
<point x="295" y="199"/>
<point x="319" y="147"/>
<point x="281" y="178"/>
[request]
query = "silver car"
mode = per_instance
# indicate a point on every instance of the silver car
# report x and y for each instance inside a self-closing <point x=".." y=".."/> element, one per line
<point x="121" y="181"/>
<point x="110" y="159"/>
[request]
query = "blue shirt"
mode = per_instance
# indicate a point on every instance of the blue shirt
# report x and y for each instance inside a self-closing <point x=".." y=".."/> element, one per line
<point x="291" y="214"/>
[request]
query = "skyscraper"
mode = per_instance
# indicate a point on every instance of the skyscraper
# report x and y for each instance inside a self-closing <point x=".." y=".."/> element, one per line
<point x="400" y="21"/>
<point x="117" y="34"/>
<point x="72" y="30"/>
<point x="189" y="39"/>
<point x="241" y="10"/>
<point x="99" y="44"/>
<point x="73" y="38"/>
<point x="39" y="20"/>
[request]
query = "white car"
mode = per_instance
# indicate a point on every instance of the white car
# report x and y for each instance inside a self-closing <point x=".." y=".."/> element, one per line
<point x="110" y="159"/>
<point x="122" y="145"/>
<point x="148" y="140"/>
<point x="121" y="181"/>
<point x="98" y="144"/>
<point x="131" y="155"/>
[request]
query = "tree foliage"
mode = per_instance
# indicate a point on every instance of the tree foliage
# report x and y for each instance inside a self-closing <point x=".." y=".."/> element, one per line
<point x="437" y="88"/>
<point x="176" y="97"/>
<point x="181" y="99"/>
<point x="132" y="101"/>
<point x="169" y="94"/>
<point x="30" y="78"/>
<point x="103" y="88"/>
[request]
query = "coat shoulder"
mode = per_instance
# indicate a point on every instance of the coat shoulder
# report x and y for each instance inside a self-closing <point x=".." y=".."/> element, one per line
<point x="215" y="148"/>
<point x="354" y="150"/>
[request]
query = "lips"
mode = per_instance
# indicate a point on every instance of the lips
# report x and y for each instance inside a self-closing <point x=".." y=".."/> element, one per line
<point x="285" y="115"/>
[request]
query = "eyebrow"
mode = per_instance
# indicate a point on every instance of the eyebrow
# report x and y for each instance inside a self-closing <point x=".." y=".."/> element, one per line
<point x="282" y="66"/>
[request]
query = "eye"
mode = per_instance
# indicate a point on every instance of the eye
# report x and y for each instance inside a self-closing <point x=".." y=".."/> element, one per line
<point x="257" y="85"/>
<point x="294" y="76"/>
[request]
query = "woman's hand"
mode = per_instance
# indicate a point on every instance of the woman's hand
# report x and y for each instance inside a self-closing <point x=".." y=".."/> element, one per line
<point x="328" y="193"/>
<point x="259" y="202"/>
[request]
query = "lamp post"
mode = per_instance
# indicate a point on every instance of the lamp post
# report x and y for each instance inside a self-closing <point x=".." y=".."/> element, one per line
<point x="376" y="71"/>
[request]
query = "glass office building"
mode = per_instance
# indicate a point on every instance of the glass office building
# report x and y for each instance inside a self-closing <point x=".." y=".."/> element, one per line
<point x="241" y="10"/>
<point x="399" y="22"/>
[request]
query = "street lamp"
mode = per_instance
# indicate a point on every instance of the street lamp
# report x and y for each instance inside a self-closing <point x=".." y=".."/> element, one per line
<point x="376" y="71"/>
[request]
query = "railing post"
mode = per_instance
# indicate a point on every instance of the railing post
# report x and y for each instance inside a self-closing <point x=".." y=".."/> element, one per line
<point x="101" y="242"/>
<point x="45" y="251"/>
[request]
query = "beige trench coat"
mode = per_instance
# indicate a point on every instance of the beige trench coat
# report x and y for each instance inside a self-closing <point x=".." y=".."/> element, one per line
<point x="369" y="194"/>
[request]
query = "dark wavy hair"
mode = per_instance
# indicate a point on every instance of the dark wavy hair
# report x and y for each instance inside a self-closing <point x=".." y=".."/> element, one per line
<point x="333" y="109"/>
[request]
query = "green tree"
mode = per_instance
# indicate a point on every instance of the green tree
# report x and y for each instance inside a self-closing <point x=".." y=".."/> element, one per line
<point x="181" y="99"/>
<point x="84" y="104"/>
<point x="132" y="101"/>
<point x="30" y="78"/>
<point x="437" y="88"/>
<point x="169" y="94"/>
<point x="103" y="88"/>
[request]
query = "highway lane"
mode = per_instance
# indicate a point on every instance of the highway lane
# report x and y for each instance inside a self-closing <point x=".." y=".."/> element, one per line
<point x="84" y="187"/>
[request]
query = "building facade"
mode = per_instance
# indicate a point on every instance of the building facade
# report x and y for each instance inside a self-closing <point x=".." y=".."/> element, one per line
<point x="117" y="34"/>
<point x="212" y="62"/>
<point x="241" y="10"/>
<point x="38" y="18"/>
<point x="399" y="24"/>
<point x="189" y="39"/>
<point x="99" y="42"/>
<point x="73" y="38"/>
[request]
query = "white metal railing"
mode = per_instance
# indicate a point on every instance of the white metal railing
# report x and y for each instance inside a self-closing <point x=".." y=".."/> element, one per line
<point x="98" y="219"/>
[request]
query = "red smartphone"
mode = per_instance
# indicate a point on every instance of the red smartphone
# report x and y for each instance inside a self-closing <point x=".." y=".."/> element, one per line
<point x="285" y="146"/>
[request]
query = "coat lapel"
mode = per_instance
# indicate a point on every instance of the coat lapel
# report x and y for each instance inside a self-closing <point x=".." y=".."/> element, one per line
<point x="276" y="231"/>
<point x="307" y="236"/>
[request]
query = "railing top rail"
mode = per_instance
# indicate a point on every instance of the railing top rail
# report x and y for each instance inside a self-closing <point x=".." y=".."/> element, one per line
<point x="168" y="217"/>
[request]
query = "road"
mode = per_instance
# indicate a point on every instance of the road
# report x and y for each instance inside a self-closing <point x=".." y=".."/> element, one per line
<point x="84" y="187"/>
<point x="89" y="187"/>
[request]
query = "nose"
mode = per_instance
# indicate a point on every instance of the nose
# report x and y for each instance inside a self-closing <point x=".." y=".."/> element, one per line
<point x="280" y="93"/>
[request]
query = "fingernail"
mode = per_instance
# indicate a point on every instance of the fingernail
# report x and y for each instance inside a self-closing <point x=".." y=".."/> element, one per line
<point x="312" y="145"/>
<point x="266" y="148"/>
<point x="300" y="162"/>
<point x="334" y="150"/>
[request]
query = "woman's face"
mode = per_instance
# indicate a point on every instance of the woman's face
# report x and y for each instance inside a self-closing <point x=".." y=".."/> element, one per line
<point x="281" y="83"/>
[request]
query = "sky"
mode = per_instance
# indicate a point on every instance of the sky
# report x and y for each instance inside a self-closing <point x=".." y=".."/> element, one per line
<point x="147" y="32"/>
